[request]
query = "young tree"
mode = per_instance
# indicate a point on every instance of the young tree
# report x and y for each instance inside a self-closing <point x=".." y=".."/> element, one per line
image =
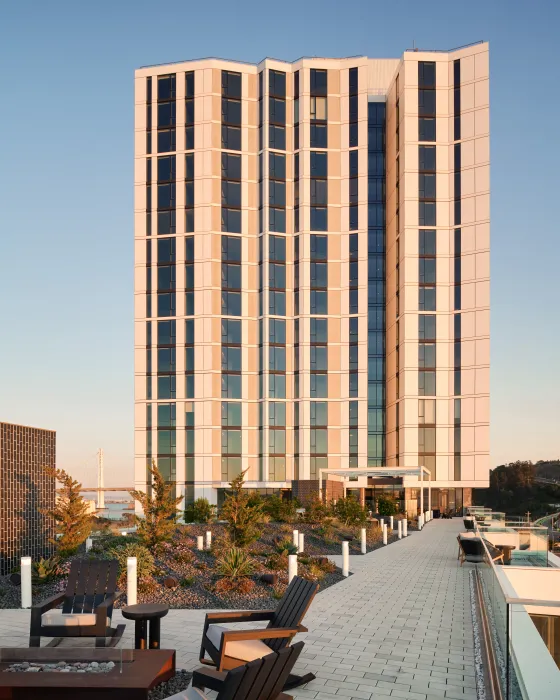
<point x="386" y="506"/>
<point x="242" y="514"/>
<point x="349" y="511"/>
<point x="160" y="510"/>
<point x="71" y="514"/>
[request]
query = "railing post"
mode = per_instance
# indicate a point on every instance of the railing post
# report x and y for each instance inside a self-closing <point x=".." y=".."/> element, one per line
<point x="131" y="580"/>
<point x="345" y="558"/>
<point x="26" y="599"/>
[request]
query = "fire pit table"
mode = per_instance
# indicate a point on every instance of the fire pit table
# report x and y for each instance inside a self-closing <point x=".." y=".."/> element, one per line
<point x="69" y="673"/>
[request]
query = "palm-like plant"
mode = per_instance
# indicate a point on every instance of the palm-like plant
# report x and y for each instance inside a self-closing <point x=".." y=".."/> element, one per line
<point x="235" y="564"/>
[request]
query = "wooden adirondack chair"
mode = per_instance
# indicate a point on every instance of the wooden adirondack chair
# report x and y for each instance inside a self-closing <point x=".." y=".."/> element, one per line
<point x="229" y="648"/>
<point x="87" y="606"/>
<point x="262" y="679"/>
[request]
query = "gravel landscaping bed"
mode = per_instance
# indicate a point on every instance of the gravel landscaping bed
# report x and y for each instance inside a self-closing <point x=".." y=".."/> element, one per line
<point x="180" y="681"/>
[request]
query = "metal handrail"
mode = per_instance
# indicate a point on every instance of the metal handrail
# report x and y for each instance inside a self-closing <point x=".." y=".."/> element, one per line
<point x="465" y="46"/>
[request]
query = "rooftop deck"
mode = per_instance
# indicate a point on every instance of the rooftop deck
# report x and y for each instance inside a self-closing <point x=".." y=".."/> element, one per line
<point x="400" y="626"/>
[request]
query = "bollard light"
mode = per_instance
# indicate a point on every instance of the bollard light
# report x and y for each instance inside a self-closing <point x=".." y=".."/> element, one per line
<point x="292" y="566"/>
<point x="200" y="542"/>
<point x="405" y="527"/>
<point x="208" y="540"/>
<point x="89" y="543"/>
<point x="26" y="582"/>
<point x="296" y="538"/>
<point x="384" y="534"/>
<point x="399" y="529"/>
<point x="345" y="558"/>
<point x="364" y="544"/>
<point x="391" y="523"/>
<point x="131" y="580"/>
<point x="301" y="543"/>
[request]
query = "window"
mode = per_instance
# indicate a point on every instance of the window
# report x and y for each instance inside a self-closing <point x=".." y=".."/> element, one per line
<point x="317" y="136"/>
<point x="353" y="357"/>
<point x="426" y="383"/>
<point x="318" y="164"/>
<point x="426" y="327"/>
<point x="319" y="247"/>
<point x="427" y="158"/>
<point x="231" y="166"/>
<point x="426" y="213"/>
<point x="319" y="108"/>
<point x="318" y="413"/>
<point x="277" y="111"/>
<point x="318" y="192"/>
<point x="166" y="304"/>
<point x="426" y="298"/>
<point x="319" y="330"/>
<point x="166" y="386"/>
<point x="318" y="80"/>
<point x="231" y="303"/>
<point x="166" y="87"/>
<point x="427" y="186"/>
<point x="319" y="274"/>
<point x="276" y="414"/>
<point x="426" y="411"/>
<point x="277" y="359"/>
<point x="166" y="112"/>
<point x="189" y="84"/>
<point x="277" y="331"/>
<point x="353" y="162"/>
<point x="277" y="137"/>
<point x="426" y="74"/>
<point x="427" y="242"/>
<point x="427" y="102"/>
<point x="277" y="386"/>
<point x="231" y="359"/>
<point x="319" y="441"/>
<point x="166" y="171"/>
<point x="277" y="441"/>
<point x="167" y="442"/>
<point x="231" y="332"/>
<point x="231" y="276"/>
<point x="277" y="166"/>
<point x="231" y="84"/>
<point x="166" y="360"/>
<point x="277" y="193"/>
<point x="231" y="193"/>
<point x="319" y="303"/>
<point x="189" y="359"/>
<point x="166" y="415"/>
<point x="231" y="137"/>
<point x="231" y="248"/>
<point x="277" y="276"/>
<point x="189" y="332"/>
<point x="231" y="111"/>
<point x="166" y="250"/>
<point x="277" y="248"/>
<point x="426" y="129"/>
<point x="231" y="414"/>
<point x="189" y="138"/>
<point x="318" y="386"/>
<point x="319" y="358"/>
<point x="427" y="270"/>
<point x="166" y="196"/>
<point x="231" y="220"/>
<point x="426" y="439"/>
<point x="166" y="140"/>
<point x="277" y="83"/>
<point x="231" y="386"/>
<point x="277" y="303"/>
<point x="166" y="277"/>
<point x="427" y="355"/>
<point x="277" y="220"/>
<point x="319" y="219"/>
<point x="166" y="333"/>
<point x="353" y="218"/>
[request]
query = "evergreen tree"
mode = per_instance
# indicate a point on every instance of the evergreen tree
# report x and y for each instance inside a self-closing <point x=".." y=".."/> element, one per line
<point x="71" y="514"/>
<point x="242" y="513"/>
<point x="160" y="510"/>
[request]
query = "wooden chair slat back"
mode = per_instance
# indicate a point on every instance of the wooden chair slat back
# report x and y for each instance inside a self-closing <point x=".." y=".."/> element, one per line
<point x="292" y="608"/>
<point x="89" y="584"/>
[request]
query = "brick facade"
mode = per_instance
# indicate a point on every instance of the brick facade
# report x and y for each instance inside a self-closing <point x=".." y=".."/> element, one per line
<point x="26" y="490"/>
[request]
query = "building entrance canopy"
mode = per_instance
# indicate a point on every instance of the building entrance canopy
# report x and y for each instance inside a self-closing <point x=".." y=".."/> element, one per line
<point x="420" y="472"/>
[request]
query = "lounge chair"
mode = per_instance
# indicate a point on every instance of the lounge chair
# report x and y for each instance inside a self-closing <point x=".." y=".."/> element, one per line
<point x="469" y="524"/>
<point x="471" y="549"/>
<point x="87" y="606"/>
<point x="262" y="679"/>
<point x="229" y="648"/>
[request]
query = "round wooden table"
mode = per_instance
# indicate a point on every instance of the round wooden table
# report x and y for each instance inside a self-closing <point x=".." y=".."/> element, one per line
<point x="142" y="615"/>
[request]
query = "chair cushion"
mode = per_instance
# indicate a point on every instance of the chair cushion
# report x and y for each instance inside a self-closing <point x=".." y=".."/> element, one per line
<point x="189" y="694"/>
<point x="246" y="650"/>
<point x="467" y="535"/>
<point x="56" y="618"/>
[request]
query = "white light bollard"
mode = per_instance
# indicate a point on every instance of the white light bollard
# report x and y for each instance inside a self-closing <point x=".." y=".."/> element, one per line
<point x="399" y="529"/>
<point x="420" y="521"/>
<point x="26" y="582"/>
<point x="391" y="523"/>
<point x="301" y="542"/>
<point x="345" y="558"/>
<point x="208" y="540"/>
<point x="364" y="543"/>
<point x="200" y="542"/>
<point x="292" y="566"/>
<point x="89" y="544"/>
<point x="405" y="527"/>
<point x="131" y="580"/>
<point x="296" y="538"/>
<point x="384" y="533"/>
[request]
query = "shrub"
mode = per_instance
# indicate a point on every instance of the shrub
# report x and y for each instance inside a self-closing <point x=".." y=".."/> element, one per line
<point x="243" y="514"/>
<point x="235" y="564"/>
<point x="186" y="582"/>
<point x="160" y="510"/>
<point x="183" y="556"/>
<point x="327" y="529"/>
<point x="278" y="592"/>
<point x="316" y="572"/>
<point x="349" y="511"/>
<point x="201" y="511"/>
<point x="286" y="547"/>
<point x="277" y="562"/>
<point x="46" y="570"/>
<point x="386" y="506"/>
<point x="145" y="561"/>
<point x="316" y="511"/>
<point x="242" y="586"/>
<point x="325" y="565"/>
<point x="280" y="510"/>
<point x="71" y="514"/>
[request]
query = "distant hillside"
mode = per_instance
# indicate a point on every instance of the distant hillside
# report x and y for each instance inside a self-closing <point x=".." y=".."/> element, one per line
<point x="513" y="488"/>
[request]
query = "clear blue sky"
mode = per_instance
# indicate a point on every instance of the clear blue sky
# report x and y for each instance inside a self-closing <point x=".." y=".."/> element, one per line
<point x="66" y="241"/>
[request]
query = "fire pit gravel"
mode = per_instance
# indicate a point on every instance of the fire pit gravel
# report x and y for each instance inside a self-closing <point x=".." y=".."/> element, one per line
<point x="61" y="667"/>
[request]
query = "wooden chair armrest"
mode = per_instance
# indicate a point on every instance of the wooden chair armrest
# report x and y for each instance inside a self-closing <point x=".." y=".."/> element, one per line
<point x="302" y="628"/>
<point x="208" y="678"/>
<point x="109" y="600"/>
<point x="240" y="616"/>
<point x="265" y="633"/>
<point x="49" y="603"/>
